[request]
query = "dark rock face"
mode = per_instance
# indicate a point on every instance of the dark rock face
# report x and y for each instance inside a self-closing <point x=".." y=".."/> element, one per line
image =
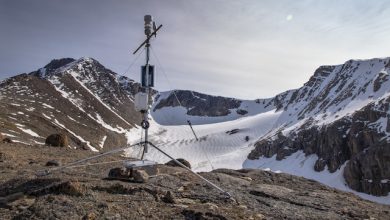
<point x="172" y="163"/>
<point x="234" y="131"/>
<point x="241" y="111"/>
<point x="57" y="63"/>
<point x="382" y="77"/>
<point x="199" y="104"/>
<point x="368" y="171"/>
<point x="282" y="146"/>
<point x="57" y="140"/>
<point x="349" y="138"/>
<point x="1" y="137"/>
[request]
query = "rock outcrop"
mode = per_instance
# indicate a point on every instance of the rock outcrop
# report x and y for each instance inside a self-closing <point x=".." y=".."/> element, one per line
<point x="198" y="104"/>
<point x="368" y="171"/>
<point x="352" y="138"/>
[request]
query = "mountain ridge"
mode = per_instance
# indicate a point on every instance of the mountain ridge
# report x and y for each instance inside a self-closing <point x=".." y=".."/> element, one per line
<point x="339" y="114"/>
<point x="82" y="93"/>
<point x="94" y="106"/>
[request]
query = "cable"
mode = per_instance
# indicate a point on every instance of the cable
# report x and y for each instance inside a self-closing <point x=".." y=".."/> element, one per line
<point x="185" y="167"/>
<point x="94" y="164"/>
<point x="48" y="171"/>
<point x="165" y="75"/>
<point x="132" y="63"/>
<point x="139" y="155"/>
<point x="174" y="93"/>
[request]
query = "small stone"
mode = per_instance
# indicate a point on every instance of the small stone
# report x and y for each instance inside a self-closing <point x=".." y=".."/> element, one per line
<point x="25" y="203"/>
<point x="180" y="189"/>
<point x="89" y="216"/>
<point x="260" y="216"/>
<point x="186" y="201"/>
<point x="7" y="140"/>
<point x="181" y="206"/>
<point x="212" y="206"/>
<point x="54" y="163"/>
<point x="246" y="178"/>
<point x="242" y="207"/>
<point x="140" y="176"/>
<point x="72" y="188"/>
<point x="4" y="157"/>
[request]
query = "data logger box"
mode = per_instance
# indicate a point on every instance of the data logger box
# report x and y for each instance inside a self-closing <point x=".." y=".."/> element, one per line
<point x="141" y="101"/>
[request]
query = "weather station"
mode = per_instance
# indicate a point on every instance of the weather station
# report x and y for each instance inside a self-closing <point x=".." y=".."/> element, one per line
<point x="134" y="168"/>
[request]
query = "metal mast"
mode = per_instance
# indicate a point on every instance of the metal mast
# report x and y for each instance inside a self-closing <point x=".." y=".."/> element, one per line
<point x="147" y="78"/>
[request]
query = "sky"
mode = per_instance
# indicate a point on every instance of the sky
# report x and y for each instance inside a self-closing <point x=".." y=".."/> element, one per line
<point x="237" y="48"/>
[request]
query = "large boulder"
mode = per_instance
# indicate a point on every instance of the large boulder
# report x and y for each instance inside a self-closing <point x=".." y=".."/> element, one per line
<point x="57" y="140"/>
<point x="54" y="163"/>
<point x="122" y="173"/>
<point x="139" y="176"/>
<point x="119" y="173"/>
<point x="172" y="163"/>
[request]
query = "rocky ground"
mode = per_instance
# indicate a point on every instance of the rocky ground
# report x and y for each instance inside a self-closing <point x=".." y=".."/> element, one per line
<point x="84" y="193"/>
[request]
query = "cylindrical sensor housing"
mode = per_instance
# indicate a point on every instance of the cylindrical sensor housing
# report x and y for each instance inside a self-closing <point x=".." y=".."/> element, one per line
<point x="148" y="25"/>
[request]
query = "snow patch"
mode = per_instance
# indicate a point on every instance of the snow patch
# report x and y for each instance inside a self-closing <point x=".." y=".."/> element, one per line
<point x="78" y="137"/>
<point x="29" y="131"/>
<point x="101" y="144"/>
<point x="47" y="106"/>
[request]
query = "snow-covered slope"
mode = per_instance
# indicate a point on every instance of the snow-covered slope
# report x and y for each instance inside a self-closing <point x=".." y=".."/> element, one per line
<point x="340" y="113"/>
<point x="218" y="142"/>
<point x="92" y="105"/>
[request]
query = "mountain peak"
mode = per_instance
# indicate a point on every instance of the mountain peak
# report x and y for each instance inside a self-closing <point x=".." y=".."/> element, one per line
<point x="57" y="63"/>
<point x="60" y="66"/>
<point x="86" y="59"/>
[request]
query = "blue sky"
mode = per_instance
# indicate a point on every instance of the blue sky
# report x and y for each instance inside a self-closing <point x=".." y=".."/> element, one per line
<point x="237" y="48"/>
